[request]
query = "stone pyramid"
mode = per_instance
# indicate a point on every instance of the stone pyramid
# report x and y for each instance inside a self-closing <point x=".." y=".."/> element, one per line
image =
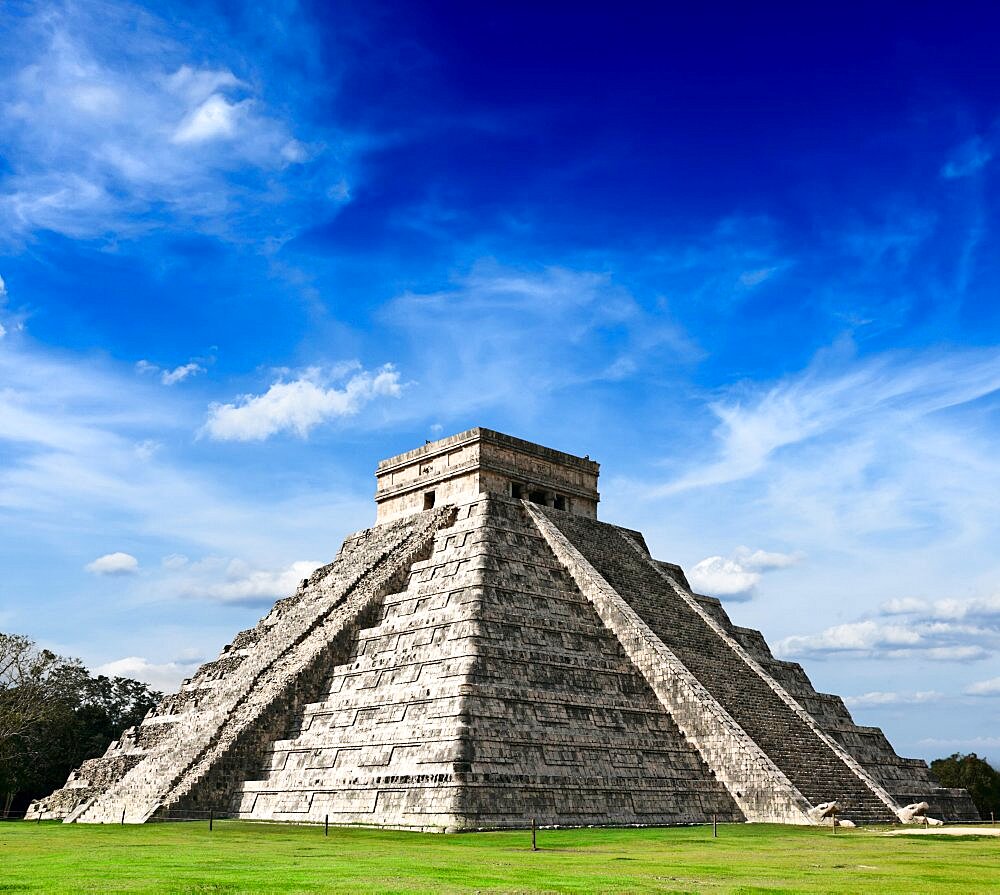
<point x="489" y="654"/>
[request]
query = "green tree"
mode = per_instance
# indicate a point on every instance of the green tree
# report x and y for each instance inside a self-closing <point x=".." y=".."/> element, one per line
<point x="27" y="702"/>
<point x="972" y="773"/>
<point x="53" y="715"/>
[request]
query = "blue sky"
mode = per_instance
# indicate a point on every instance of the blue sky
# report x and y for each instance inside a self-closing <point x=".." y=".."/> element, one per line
<point x="745" y="258"/>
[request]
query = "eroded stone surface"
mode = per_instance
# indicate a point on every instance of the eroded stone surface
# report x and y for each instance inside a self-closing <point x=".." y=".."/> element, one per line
<point x="494" y="660"/>
<point x="194" y="748"/>
<point x="484" y="695"/>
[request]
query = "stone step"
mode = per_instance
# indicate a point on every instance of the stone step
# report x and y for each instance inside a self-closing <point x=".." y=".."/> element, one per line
<point x="806" y="760"/>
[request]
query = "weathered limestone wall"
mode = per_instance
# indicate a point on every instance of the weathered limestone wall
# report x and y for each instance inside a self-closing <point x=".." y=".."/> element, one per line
<point x="563" y="726"/>
<point x="479" y="461"/>
<point x="490" y="662"/>
<point x="378" y="743"/>
<point x="756" y="783"/>
<point x="487" y="694"/>
<point x="460" y="489"/>
<point x="816" y="766"/>
<point x="180" y="749"/>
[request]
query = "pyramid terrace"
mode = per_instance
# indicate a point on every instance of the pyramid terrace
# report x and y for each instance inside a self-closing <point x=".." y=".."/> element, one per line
<point x="489" y="655"/>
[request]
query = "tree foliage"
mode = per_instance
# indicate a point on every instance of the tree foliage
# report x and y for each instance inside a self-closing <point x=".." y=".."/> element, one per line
<point x="53" y="715"/>
<point x="974" y="774"/>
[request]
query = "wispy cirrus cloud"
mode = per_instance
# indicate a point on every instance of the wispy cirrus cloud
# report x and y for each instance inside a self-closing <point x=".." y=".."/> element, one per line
<point x="989" y="687"/>
<point x="941" y="630"/>
<point x="170" y="376"/>
<point x="509" y="337"/>
<point x="750" y="278"/>
<point x="982" y="744"/>
<point x="179" y="374"/>
<point x="878" y="698"/>
<point x="967" y="159"/>
<point x="948" y="609"/>
<point x="837" y="396"/>
<point x="3" y="302"/>
<point x="721" y="267"/>
<point x="103" y="144"/>
<point x="221" y="580"/>
<point x="91" y="436"/>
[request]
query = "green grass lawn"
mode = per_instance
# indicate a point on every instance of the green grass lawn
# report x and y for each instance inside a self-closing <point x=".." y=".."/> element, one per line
<point x="242" y="857"/>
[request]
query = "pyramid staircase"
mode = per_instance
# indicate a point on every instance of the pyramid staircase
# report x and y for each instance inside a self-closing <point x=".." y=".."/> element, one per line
<point x="494" y="662"/>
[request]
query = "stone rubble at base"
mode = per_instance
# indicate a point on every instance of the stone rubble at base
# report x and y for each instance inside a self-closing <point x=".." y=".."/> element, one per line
<point x="490" y="654"/>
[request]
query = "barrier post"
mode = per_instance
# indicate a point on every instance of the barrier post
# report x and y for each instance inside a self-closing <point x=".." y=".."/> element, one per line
<point x="326" y="825"/>
<point x="211" y="819"/>
<point x="715" y="826"/>
<point x="123" y="817"/>
<point x="534" y="829"/>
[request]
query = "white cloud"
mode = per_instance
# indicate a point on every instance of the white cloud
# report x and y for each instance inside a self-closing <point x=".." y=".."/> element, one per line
<point x="968" y="159"/>
<point x="147" y="448"/>
<point x="876" y="698"/>
<point x="296" y="152"/>
<point x="939" y="630"/>
<point x="174" y="561"/>
<point x="903" y="606"/>
<point x="718" y="268"/>
<point x="990" y="687"/>
<point x="196" y="85"/>
<point x="975" y="607"/>
<point x="299" y="405"/>
<point x="93" y="450"/>
<point x="722" y="577"/>
<point x="70" y="429"/>
<point x="113" y="132"/>
<point x="852" y="636"/>
<point x="214" y="119"/>
<point x="750" y="278"/>
<point x="339" y="191"/>
<point x="178" y="374"/>
<point x="169" y="377"/>
<point x="873" y="397"/>
<point x="241" y="583"/>
<point x="114" y="564"/>
<point x="165" y="676"/>
<point x="763" y="561"/>
<point x="3" y="298"/>
<point x="507" y="337"/>
<point x="736" y="577"/>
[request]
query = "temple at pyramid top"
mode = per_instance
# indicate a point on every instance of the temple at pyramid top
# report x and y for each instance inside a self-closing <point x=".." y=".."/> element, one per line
<point x="480" y="461"/>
